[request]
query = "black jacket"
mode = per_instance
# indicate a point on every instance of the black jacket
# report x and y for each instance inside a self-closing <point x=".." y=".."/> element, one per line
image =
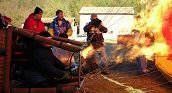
<point x="96" y="38"/>
<point x="45" y="62"/>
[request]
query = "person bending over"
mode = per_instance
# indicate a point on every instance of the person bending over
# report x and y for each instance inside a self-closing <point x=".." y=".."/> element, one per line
<point x="45" y="69"/>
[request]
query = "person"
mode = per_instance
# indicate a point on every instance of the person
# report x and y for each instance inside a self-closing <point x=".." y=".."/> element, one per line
<point x="45" y="69"/>
<point x="60" y="27"/>
<point x="93" y="16"/>
<point x="33" y="22"/>
<point x="1" y="23"/>
<point x="144" y="57"/>
<point x="4" y="21"/>
<point x="95" y="38"/>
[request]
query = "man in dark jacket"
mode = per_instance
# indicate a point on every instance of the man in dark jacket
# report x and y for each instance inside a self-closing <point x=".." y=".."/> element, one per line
<point x="95" y="31"/>
<point x="44" y="69"/>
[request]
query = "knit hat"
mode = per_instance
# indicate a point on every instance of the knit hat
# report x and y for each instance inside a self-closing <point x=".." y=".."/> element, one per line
<point x="38" y="10"/>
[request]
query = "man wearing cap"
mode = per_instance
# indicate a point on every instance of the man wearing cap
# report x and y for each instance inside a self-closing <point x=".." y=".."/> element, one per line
<point x="33" y="22"/>
<point x="95" y="31"/>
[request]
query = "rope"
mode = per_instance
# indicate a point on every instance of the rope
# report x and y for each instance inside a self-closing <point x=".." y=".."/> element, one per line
<point x="140" y="74"/>
<point x="99" y="71"/>
<point x="156" y="85"/>
<point x="123" y="16"/>
<point x="115" y="12"/>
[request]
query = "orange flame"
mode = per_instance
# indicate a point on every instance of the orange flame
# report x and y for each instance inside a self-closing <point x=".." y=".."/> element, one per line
<point x="153" y="20"/>
<point x="158" y="48"/>
<point x="87" y="52"/>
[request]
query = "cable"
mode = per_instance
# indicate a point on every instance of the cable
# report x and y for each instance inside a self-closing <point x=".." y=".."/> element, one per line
<point x="132" y="76"/>
<point x="156" y="85"/>
<point x="116" y="11"/>
<point x="140" y="74"/>
<point x="122" y="17"/>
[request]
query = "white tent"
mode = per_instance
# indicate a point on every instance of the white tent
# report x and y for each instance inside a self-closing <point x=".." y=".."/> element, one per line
<point x="118" y="20"/>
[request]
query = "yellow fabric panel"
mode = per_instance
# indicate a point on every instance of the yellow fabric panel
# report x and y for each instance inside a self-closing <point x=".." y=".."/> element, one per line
<point x="69" y="32"/>
<point x="51" y="31"/>
<point x="164" y="66"/>
<point x="59" y="22"/>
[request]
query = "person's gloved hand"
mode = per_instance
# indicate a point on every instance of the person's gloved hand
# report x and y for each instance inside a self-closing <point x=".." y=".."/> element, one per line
<point x="66" y="75"/>
<point x="68" y="78"/>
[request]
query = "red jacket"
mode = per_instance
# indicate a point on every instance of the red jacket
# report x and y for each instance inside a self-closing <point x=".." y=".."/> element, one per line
<point x="32" y="24"/>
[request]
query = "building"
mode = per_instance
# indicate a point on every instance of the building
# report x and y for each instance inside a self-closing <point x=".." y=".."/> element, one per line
<point x="118" y="20"/>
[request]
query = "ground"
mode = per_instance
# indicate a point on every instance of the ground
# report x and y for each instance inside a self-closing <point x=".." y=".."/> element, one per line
<point x="123" y="79"/>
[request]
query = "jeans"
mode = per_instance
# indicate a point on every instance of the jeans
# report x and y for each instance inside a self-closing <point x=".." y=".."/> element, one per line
<point x="141" y="64"/>
<point x="102" y="57"/>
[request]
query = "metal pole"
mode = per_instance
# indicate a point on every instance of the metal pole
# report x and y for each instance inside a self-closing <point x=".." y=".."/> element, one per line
<point x="79" y="71"/>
